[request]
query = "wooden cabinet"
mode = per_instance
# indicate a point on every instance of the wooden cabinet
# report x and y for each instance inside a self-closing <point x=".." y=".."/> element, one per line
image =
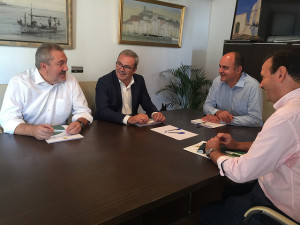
<point x="253" y="54"/>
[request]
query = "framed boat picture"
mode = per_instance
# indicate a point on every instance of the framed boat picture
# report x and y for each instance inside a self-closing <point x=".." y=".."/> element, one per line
<point x="25" y="23"/>
<point x="149" y="22"/>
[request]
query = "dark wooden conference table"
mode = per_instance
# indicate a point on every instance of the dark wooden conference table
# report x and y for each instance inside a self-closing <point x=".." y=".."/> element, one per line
<point x="114" y="174"/>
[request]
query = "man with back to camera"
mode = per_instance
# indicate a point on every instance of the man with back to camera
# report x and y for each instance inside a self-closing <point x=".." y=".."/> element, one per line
<point x="119" y="94"/>
<point x="273" y="158"/>
<point x="235" y="97"/>
<point x="44" y="96"/>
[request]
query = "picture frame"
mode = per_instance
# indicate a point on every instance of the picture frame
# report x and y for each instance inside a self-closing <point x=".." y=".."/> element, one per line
<point x="31" y="23"/>
<point x="246" y="20"/>
<point x="150" y="23"/>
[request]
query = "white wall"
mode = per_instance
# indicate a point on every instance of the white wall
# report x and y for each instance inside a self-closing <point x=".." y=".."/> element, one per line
<point x="219" y="30"/>
<point x="95" y="24"/>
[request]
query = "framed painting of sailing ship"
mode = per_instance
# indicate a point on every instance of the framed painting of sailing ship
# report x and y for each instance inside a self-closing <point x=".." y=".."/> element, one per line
<point x="149" y="22"/>
<point x="28" y="23"/>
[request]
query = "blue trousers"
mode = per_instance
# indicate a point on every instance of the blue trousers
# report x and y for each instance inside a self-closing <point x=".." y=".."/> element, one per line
<point x="231" y="211"/>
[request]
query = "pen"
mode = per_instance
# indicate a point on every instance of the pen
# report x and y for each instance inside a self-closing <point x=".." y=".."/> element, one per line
<point x="172" y="130"/>
<point x="176" y="132"/>
<point x="201" y="148"/>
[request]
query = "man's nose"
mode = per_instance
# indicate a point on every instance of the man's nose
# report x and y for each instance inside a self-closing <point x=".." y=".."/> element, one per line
<point x="66" y="67"/>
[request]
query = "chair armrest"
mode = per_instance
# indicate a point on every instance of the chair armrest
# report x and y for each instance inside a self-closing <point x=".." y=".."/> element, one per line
<point x="268" y="212"/>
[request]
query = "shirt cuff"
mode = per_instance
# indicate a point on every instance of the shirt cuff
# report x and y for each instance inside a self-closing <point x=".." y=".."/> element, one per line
<point x="153" y="114"/>
<point x="221" y="160"/>
<point x="10" y="125"/>
<point x="215" y="111"/>
<point x="87" y="116"/>
<point x="125" y="119"/>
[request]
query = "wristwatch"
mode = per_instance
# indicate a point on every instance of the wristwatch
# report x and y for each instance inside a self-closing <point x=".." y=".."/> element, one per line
<point x="81" y="124"/>
<point x="208" y="151"/>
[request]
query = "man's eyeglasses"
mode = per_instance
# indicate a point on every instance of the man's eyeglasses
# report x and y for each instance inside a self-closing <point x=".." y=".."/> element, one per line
<point x="126" y="67"/>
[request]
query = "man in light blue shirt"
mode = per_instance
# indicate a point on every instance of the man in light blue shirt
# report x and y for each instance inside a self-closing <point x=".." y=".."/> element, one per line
<point x="234" y="98"/>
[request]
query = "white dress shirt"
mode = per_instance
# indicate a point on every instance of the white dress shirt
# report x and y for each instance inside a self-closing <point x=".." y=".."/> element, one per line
<point x="126" y="99"/>
<point x="274" y="157"/>
<point x="30" y="99"/>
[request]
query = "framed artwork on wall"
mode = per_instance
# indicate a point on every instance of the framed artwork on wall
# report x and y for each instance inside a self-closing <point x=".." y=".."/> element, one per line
<point x="25" y="23"/>
<point x="246" y="20"/>
<point x="152" y="23"/>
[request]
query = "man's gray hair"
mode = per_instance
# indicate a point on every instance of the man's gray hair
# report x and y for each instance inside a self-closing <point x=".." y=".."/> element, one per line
<point x="130" y="53"/>
<point x="43" y="53"/>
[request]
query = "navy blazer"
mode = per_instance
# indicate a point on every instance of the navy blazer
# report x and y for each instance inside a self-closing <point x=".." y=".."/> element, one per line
<point x="109" y="98"/>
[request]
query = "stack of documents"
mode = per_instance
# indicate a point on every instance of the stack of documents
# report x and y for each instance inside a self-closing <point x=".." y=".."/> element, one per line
<point x="199" y="149"/>
<point x="149" y="123"/>
<point x="60" y="134"/>
<point x="200" y="122"/>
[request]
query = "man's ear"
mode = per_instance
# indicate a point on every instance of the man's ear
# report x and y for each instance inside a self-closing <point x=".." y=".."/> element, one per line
<point x="239" y="69"/>
<point x="43" y="66"/>
<point x="282" y="72"/>
<point x="134" y="69"/>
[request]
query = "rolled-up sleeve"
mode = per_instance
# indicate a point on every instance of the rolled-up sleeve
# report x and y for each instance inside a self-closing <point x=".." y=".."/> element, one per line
<point x="11" y="111"/>
<point x="80" y="106"/>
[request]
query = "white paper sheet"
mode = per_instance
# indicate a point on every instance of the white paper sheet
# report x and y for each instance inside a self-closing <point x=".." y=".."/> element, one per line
<point x="174" y="132"/>
<point x="194" y="149"/>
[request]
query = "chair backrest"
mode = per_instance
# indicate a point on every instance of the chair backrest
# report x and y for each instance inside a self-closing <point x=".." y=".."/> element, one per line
<point x="281" y="219"/>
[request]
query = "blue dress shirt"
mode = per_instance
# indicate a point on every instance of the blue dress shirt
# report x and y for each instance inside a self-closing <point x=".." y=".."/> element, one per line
<point x="243" y="101"/>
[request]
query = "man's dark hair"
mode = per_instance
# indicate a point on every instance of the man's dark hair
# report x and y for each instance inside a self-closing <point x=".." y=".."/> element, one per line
<point x="238" y="60"/>
<point x="43" y="53"/>
<point x="289" y="58"/>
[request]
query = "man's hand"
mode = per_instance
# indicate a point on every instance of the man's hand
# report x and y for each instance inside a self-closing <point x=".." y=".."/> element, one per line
<point x="224" y="116"/>
<point x="74" y="128"/>
<point x="213" y="143"/>
<point x="139" y="118"/>
<point x="158" y="117"/>
<point x="42" y="131"/>
<point x="211" y="118"/>
<point x="226" y="140"/>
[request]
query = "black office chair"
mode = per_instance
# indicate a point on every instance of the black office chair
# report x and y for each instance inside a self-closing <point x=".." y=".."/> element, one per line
<point x="268" y="212"/>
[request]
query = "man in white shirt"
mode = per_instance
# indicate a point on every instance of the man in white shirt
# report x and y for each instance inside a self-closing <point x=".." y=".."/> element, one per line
<point x="44" y="96"/>
<point x="273" y="158"/>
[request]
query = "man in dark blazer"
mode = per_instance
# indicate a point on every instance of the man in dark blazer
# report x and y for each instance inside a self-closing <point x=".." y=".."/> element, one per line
<point x="119" y="94"/>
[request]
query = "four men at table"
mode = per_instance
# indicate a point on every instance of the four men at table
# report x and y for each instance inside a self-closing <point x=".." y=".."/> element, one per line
<point x="273" y="158"/>
<point x="44" y="96"/>
<point x="235" y="97"/>
<point x="119" y="94"/>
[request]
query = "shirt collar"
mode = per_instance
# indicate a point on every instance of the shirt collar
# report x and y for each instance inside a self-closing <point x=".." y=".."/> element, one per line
<point x="241" y="81"/>
<point x="38" y="77"/>
<point x="292" y="94"/>
<point x="129" y="85"/>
